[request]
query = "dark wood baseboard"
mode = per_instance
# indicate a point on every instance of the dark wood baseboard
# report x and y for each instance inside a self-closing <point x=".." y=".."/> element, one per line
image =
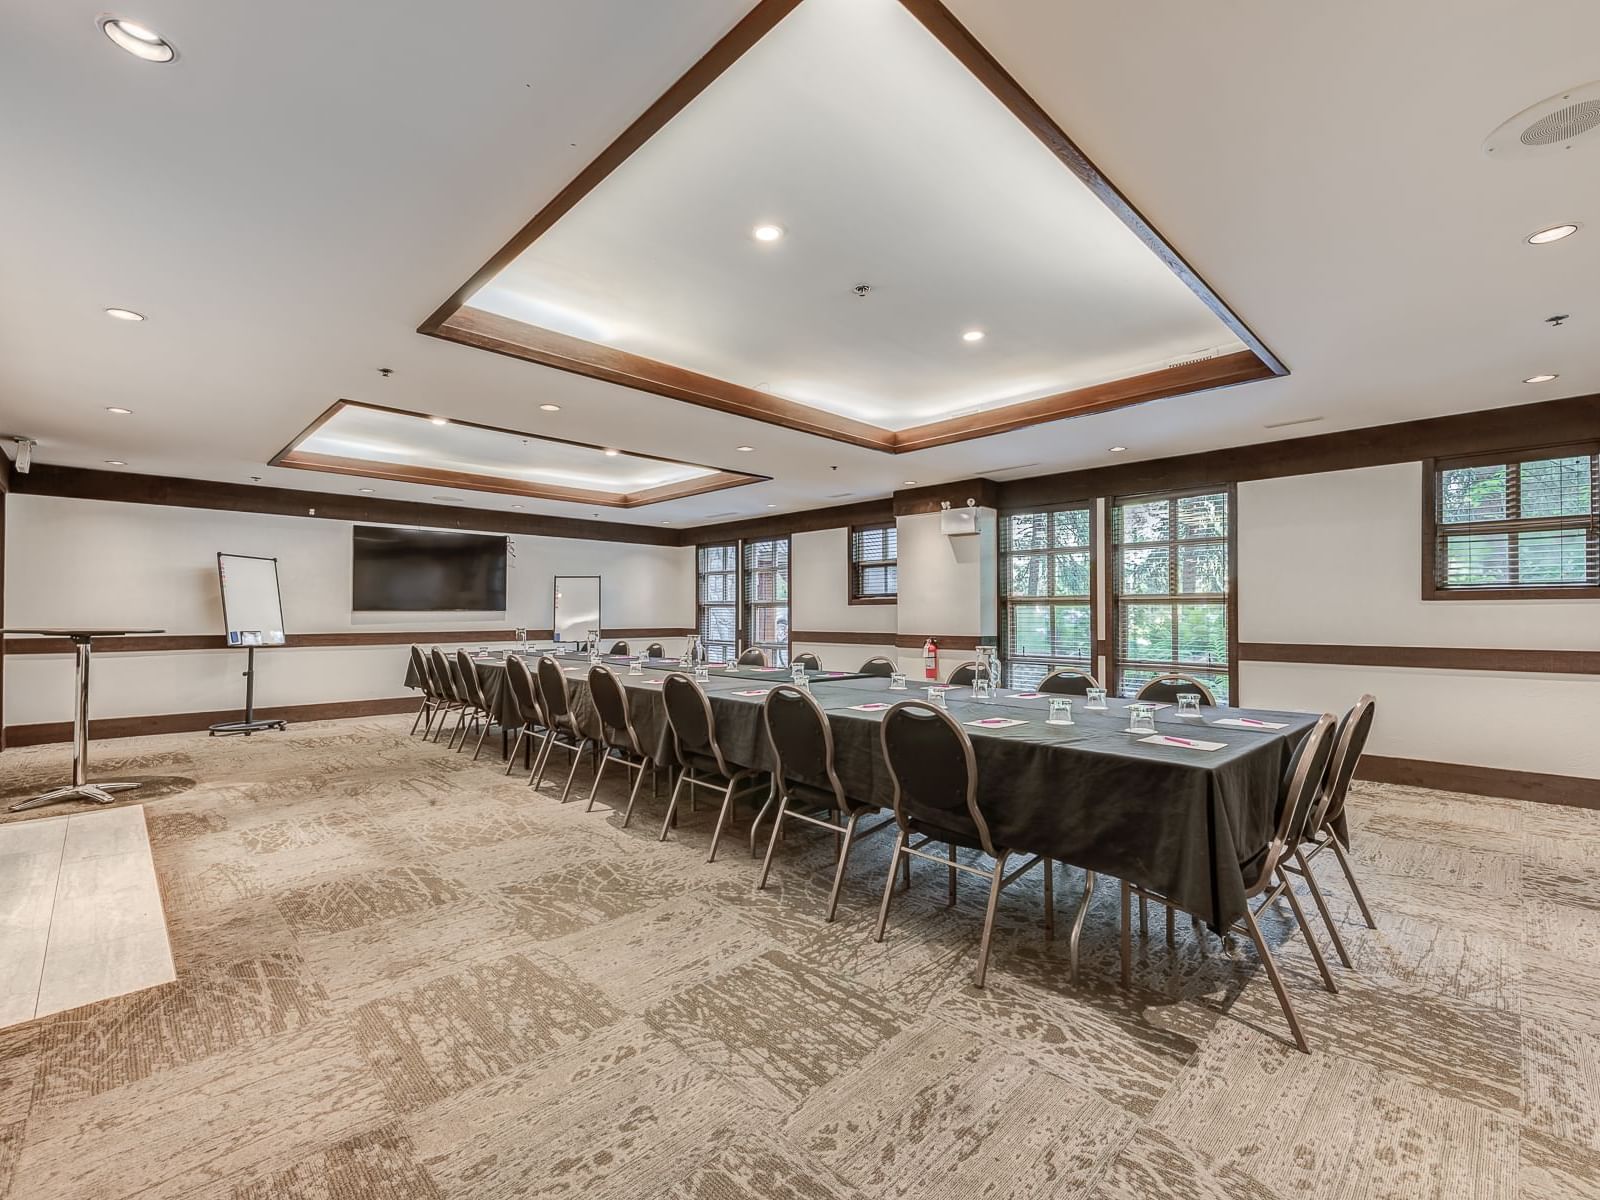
<point x="354" y="637"/>
<point x="1570" y="790"/>
<point x="1427" y="658"/>
<point x="947" y="641"/>
<point x="47" y="732"/>
<point x="840" y="637"/>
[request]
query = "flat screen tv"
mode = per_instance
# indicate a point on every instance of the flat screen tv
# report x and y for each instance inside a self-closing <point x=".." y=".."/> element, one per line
<point x="423" y="570"/>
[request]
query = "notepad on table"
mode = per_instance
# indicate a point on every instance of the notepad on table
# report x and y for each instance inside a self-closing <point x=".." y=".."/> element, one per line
<point x="1247" y="723"/>
<point x="996" y="723"/>
<point x="752" y="692"/>
<point x="875" y="706"/>
<point x="1181" y="743"/>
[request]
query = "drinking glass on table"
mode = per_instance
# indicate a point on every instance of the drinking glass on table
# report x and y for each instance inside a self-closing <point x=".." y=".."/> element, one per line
<point x="981" y="689"/>
<point x="1060" y="711"/>
<point x="1095" y="697"/>
<point x="636" y="666"/>
<point x="1141" y="718"/>
<point x="936" y="696"/>
<point x="897" y="681"/>
<point x="1188" y="704"/>
<point x="702" y="674"/>
<point x="797" y="672"/>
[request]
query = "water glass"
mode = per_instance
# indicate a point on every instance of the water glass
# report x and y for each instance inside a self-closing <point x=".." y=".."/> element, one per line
<point x="981" y="689"/>
<point x="1188" y="704"/>
<point x="797" y="672"/>
<point x="936" y="697"/>
<point x="1095" y="698"/>
<point x="702" y="674"/>
<point x="897" y="681"/>
<point x="803" y="682"/>
<point x="1141" y="719"/>
<point x="1060" y="711"/>
<point x="636" y="667"/>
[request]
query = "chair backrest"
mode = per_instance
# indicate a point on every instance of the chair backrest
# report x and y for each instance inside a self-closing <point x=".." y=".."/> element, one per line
<point x="934" y="772"/>
<point x="655" y="650"/>
<point x="1068" y="682"/>
<point x="1297" y="796"/>
<point x="419" y="669"/>
<point x="689" y="717"/>
<point x="472" y="685"/>
<point x="878" y="665"/>
<point x="524" y="692"/>
<point x="443" y="675"/>
<point x="753" y="657"/>
<point x="618" y="648"/>
<point x="1165" y="689"/>
<point x="964" y="674"/>
<point x="1349" y="741"/>
<point x="611" y="706"/>
<point x="808" y="660"/>
<point x="553" y="691"/>
<point x="801" y="741"/>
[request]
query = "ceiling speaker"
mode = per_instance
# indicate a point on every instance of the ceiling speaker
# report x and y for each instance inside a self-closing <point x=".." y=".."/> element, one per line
<point x="1555" y="125"/>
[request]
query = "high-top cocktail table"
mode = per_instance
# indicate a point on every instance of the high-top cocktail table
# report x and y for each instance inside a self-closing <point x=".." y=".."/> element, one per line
<point x="80" y="787"/>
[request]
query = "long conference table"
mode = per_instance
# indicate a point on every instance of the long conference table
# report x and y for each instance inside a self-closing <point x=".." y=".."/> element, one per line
<point x="1180" y="820"/>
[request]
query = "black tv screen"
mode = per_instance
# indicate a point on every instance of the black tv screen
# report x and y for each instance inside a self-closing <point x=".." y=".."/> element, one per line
<point x="422" y="570"/>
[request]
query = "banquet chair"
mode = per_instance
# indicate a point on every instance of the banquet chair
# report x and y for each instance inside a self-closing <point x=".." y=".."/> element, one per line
<point x="618" y="649"/>
<point x="525" y="696"/>
<point x="1165" y="689"/>
<point x="804" y="776"/>
<point x="444" y="679"/>
<point x="963" y="675"/>
<point x="481" y="702"/>
<point x="699" y="753"/>
<point x="423" y="684"/>
<point x="1068" y="682"/>
<point x="655" y="650"/>
<point x="935" y="778"/>
<point x="617" y="735"/>
<point x="753" y="657"/>
<point x="879" y="666"/>
<point x="807" y="660"/>
<point x="1297" y="798"/>
<point x="561" y="727"/>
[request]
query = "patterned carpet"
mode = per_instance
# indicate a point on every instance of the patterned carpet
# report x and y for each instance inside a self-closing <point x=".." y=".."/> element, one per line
<point x="401" y="975"/>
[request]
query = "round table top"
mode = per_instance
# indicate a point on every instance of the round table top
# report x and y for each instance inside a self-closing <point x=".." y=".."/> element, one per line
<point x="77" y="632"/>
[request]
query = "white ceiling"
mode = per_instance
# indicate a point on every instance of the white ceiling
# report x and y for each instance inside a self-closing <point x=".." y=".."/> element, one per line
<point x="291" y="198"/>
<point x="886" y="162"/>
<point x="407" y="440"/>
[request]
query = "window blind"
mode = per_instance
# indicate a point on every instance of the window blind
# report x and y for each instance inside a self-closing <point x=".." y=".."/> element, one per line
<point x="717" y="600"/>
<point x="1046" y="581"/>
<point x="766" y="598"/>
<point x="874" y="571"/>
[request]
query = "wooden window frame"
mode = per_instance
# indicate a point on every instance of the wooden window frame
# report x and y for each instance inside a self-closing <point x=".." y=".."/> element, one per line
<point x="850" y="564"/>
<point x="700" y="607"/>
<point x="1432" y="471"/>
<point x="1113" y="594"/>
<point x="1094" y="547"/>
<point x="741" y="641"/>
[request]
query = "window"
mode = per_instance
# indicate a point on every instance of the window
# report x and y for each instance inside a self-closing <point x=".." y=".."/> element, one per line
<point x="1171" y="584"/>
<point x="717" y="600"/>
<point x="1046" y="581"/>
<point x="1513" y="526"/>
<point x="874" y="575"/>
<point x="766" y="598"/>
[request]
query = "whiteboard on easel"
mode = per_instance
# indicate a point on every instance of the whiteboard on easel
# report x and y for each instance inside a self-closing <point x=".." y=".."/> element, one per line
<point x="252" y="605"/>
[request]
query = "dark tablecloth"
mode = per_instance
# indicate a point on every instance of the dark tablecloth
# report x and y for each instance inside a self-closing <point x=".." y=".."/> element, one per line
<point x="1180" y="821"/>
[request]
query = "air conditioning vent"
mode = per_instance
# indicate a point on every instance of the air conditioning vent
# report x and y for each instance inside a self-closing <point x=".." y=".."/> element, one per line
<point x="1555" y="125"/>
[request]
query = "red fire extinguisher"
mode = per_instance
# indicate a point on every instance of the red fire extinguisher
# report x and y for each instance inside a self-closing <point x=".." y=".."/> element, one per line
<point x="930" y="659"/>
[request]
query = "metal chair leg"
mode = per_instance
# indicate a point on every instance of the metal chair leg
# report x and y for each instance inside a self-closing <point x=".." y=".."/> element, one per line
<point x="418" y="720"/>
<point x="546" y="745"/>
<point x="1271" y="966"/>
<point x="1311" y="938"/>
<point x="906" y="860"/>
<point x="722" y="819"/>
<point x="772" y="844"/>
<point x="1322" y="908"/>
<point x="996" y="882"/>
<point x="1350" y="876"/>
<point x="766" y="807"/>
<point x="487" y="725"/>
<point x="672" y="804"/>
<point x="633" y="796"/>
<point x="511" y="759"/>
<point x="599" y="774"/>
<point x="572" y="771"/>
<point x="844" y="857"/>
<point x="1077" y="922"/>
<point x="888" y="884"/>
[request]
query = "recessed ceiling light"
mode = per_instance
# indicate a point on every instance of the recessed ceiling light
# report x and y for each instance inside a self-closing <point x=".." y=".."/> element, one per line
<point x="550" y="407"/>
<point x="666" y="522"/>
<point x="115" y="462"/>
<point x="772" y="506"/>
<point x="908" y="483"/>
<point x="744" y="449"/>
<point x="1554" y="234"/>
<point x="367" y="490"/>
<point x="439" y="420"/>
<point x="121" y="412"/>
<point x="124" y="314"/>
<point x="516" y="506"/>
<point x="137" y="40"/>
<point x="767" y="233"/>
<point x="972" y="335"/>
<point x="1540" y="378"/>
<point x="611" y="452"/>
<point x="1116" y="449"/>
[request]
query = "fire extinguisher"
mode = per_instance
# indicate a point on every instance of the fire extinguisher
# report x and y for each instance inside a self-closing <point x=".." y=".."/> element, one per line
<point x="930" y="659"/>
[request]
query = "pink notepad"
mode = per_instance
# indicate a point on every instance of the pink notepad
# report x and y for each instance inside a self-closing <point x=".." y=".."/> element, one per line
<point x="753" y="692"/>
<point x="996" y="723"/>
<point x="1181" y="743"/>
<point x="1025" y="695"/>
<point x="875" y="706"/>
<point x="1248" y="723"/>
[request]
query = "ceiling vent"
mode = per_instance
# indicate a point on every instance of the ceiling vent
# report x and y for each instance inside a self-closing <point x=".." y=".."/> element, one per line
<point x="1553" y="126"/>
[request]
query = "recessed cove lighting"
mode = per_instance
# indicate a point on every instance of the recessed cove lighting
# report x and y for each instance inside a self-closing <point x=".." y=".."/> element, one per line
<point x="439" y="420"/>
<point x="767" y="233"/>
<point x="1116" y="449"/>
<point x="115" y="462"/>
<point x="121" y="412"/>
<point x="612" y="453"/>
<point x="124" y="314"/>
<point x="368" y="491"/>
<point x="1540" y="378"/>
<point x="137" y="40"/>
<point x="549" y="408"/>
<point x="744" y="449"/>
<point x="1554" y="234"/>
<point x="972" y="335"/>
